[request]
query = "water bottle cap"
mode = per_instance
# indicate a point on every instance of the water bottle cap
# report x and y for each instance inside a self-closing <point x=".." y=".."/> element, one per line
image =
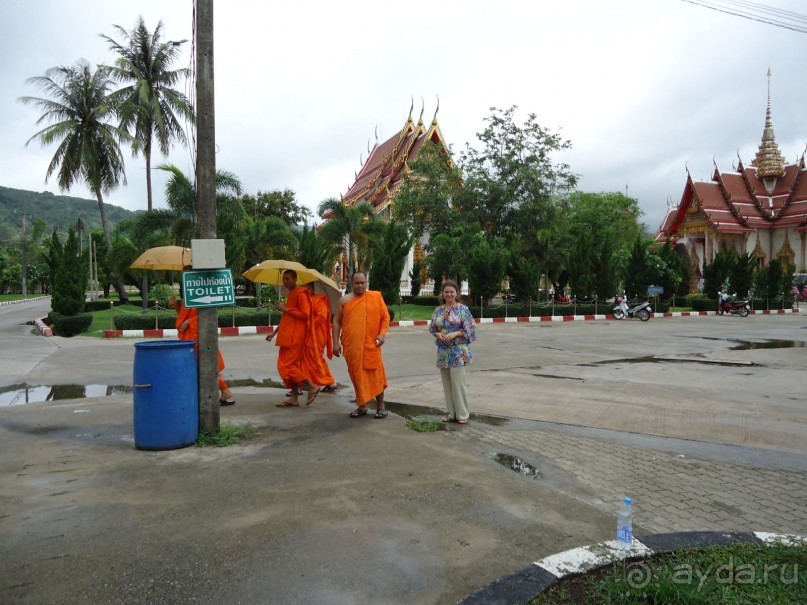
<point x="628" y="501"/>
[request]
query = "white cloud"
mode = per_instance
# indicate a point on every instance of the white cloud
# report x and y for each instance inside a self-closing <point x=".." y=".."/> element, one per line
<point x="642" y="89"/>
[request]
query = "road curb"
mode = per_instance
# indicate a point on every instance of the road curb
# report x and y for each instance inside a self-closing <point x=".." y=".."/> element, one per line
<point x="525" y="584"/>
<point x="247" y="330"/>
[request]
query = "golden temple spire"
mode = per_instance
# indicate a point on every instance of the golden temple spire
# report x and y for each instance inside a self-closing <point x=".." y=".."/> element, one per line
<point x="769" y="162"/>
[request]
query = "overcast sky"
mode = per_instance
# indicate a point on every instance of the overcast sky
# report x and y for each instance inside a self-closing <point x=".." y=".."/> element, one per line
<point x="641" y="89"/>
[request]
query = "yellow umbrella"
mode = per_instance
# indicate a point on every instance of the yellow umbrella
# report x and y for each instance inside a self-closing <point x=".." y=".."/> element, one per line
<point x="163" y="258"/>
<point x="325" y="285"/>
<point x="271" y="272"/>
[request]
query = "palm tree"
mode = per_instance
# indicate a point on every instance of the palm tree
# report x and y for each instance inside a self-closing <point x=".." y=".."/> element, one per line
<point x="180" y="195"/>
<point x="77" y="102"/>
<point x="149" y="106"/>
<point x="345" y="228"/>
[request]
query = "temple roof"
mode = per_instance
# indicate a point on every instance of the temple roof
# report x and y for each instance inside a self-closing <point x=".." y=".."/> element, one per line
<point x="768" y="160"/>
<point x="768" y="194"/>
<point x="382" y="173"/>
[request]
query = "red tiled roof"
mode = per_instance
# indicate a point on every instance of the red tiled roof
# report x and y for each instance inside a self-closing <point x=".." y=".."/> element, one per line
<point x="738" y="202"/>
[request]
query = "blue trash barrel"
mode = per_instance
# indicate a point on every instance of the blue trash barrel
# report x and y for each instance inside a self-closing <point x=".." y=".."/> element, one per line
<point x="166" y="394"/>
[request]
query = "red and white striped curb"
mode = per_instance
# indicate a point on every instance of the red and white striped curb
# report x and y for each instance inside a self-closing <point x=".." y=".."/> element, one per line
<point x="42" y="328"/>
<point x="524" y="585"/>
<point x="242" y="330"/>
<point x="21" y="300"/>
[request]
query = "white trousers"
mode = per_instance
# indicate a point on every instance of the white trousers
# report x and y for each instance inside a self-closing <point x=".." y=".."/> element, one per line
<point x="455" y="393"/>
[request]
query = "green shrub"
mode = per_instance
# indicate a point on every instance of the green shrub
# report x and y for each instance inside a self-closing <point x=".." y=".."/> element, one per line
<point x="425" y="301"/>
<point x="97" y="305"/>
<point x="161" y="293"/>
<point x="391" y="312"/>
<point x="167" y="321"/>
<point x="69" y="325"/>
<point x="704" y="304"/>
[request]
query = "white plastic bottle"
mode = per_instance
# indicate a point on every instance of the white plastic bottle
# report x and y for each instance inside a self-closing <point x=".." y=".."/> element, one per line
<point x="624" y="525"/>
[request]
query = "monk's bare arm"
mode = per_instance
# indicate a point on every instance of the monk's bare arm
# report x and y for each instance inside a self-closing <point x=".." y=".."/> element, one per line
<point x="337" y="328"/>
<point x="382" y="329"/>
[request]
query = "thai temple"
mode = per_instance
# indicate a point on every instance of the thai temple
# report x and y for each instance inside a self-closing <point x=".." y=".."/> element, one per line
<point x="761" y="208"/>
<point x="381" y="176"/>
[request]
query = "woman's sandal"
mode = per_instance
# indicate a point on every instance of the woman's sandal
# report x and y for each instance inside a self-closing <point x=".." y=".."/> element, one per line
<point x="329" y="389"/>
<point x="449" y="419"/>
<point x="358" y="412"/>
<point x="381" y="414"/>
<point x="461" y="421"/>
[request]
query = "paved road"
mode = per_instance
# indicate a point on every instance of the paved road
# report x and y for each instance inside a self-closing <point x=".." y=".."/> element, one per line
<point x="702" y="420"/>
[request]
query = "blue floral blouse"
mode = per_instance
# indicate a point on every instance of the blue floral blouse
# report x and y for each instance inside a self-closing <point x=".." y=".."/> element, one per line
<point x="456" y="319"/>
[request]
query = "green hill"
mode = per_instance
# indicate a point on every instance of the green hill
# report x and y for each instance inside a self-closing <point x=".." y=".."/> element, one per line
<point x="59" y="212"/>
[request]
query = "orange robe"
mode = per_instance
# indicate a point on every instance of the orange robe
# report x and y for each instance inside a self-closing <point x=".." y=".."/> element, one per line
<point x="192" y="333"/>
<point x="320" y="338"/>
<point x="363" y="319"/>
<point x="292" y="333"/>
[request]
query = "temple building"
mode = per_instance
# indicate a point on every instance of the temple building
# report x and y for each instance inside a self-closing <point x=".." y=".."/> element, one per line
<point x="382" y="175"/>
<point x="761" y="209"/>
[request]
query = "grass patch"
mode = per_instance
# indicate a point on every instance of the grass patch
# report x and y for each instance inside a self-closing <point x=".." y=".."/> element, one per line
<point x="735" y="574"/>
<point x="228" y="434"/>
<point x="406" y="312"/>
<point x="425" y="426"/>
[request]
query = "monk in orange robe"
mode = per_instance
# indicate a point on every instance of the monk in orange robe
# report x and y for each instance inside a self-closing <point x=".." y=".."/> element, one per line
<point x="292" y="334"/>
<point x="187" y="325"/>
<point x="319" y="340"/>
<point x="360" y="327"/>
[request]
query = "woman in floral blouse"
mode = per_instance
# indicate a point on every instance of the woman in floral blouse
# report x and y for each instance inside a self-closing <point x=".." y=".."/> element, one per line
<point x="454" y="330"/>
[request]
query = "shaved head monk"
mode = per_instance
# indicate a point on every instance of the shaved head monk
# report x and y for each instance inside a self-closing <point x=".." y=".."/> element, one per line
<point x="359" y="329"/>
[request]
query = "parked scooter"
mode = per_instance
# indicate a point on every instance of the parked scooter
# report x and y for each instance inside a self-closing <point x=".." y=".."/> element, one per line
<point x="642" y="310"/>
<point x="732" y="307"/>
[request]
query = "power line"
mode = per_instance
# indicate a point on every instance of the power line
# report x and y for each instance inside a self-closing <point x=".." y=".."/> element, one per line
<point x="757" y="12"/>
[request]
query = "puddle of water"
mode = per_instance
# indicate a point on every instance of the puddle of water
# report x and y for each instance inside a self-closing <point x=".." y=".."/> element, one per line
<point x="425" y="412"/>
<point x="518" y="465"/>
<point x="745" y="345"/>
<point x="23" y="393"/>
<point x="655" y="359"/>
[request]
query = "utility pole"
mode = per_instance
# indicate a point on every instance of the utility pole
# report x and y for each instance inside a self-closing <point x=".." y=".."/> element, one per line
<point x="24" y="256"/>
<point x="206" y="210"/>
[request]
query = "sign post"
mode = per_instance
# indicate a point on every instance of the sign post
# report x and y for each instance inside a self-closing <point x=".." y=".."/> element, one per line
<point x="208" y="288"/>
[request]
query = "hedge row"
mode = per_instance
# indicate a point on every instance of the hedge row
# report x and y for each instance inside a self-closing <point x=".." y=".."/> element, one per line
<point x="167" y="321"/>
<point x="69" y="325"/>
<point x="520" y="310"/>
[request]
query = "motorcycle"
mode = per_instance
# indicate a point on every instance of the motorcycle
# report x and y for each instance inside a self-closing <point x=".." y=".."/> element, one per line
<point x="732" y="307"/>
<point x="641" y="310"/>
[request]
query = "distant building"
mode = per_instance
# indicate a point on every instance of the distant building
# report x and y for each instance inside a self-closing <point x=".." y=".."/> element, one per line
<point x="382" y="175"/>
<point x="761" y="209"/>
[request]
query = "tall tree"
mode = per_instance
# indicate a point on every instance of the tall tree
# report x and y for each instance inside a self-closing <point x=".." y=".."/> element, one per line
<point x="314" y="251"/>
<point x="281" y="204"/>
<point x="598" y="225"/>
<point x="149" y="106"/>
<point x="513" y="172"/>
<point x="77" y="102"/>
<point x="345" y="227"/>
<point x="487" y="263"/>
<point x="180" y="195"/>
<point x="429" y="189"/>
<point x="390" y="259"/>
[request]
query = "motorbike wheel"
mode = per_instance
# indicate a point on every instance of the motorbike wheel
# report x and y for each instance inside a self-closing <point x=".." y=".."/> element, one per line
<point x="618" y="313"/>
<point x="643" y="314"/>
<point x="743" y="311"/>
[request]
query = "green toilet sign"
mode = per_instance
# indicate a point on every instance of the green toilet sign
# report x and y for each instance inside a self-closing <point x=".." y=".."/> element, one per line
<point x="208" y="288"/>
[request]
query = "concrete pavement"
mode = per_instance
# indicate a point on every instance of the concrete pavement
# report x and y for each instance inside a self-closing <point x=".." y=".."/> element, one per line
<point x="704" y="431"/>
